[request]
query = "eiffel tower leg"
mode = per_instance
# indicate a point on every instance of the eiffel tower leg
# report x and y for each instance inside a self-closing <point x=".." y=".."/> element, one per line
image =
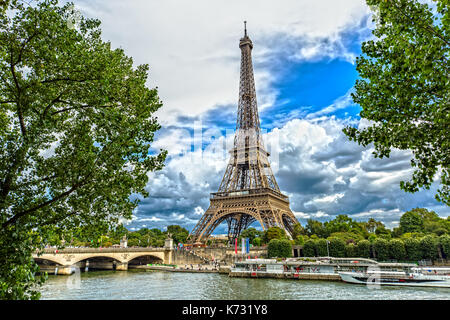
<point x="197" y="233"/>
<point x="237" y="224"/>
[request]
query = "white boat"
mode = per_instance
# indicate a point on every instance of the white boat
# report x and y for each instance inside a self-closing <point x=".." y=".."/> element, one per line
<point x="416" y="278"/>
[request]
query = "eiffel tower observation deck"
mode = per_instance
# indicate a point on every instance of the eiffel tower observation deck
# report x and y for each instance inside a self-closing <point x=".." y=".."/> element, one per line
<point x="248" y="191"/>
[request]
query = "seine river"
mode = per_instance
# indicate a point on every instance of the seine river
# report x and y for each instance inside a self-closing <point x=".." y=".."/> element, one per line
<point x="154" y="285"/>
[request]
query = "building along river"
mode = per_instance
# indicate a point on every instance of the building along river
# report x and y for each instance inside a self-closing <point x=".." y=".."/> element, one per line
<point x="155" y="285"/>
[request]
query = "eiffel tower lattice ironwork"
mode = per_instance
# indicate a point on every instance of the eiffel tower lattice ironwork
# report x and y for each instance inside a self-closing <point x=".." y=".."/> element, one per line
<point x="248" y="191"/>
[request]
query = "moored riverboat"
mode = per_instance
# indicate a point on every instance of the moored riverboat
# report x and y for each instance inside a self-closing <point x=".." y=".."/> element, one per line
<point x="417" y="277"/>
<point x="323" y="268"/>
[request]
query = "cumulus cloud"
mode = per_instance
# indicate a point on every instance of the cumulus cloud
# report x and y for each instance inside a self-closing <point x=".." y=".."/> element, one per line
<point x="192" y="46"/>
<point x="192" y="50"/>
<point x="323" y="173"/>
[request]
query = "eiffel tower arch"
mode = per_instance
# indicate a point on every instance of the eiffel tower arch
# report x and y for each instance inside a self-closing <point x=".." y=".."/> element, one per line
<point x="248" y="191"/>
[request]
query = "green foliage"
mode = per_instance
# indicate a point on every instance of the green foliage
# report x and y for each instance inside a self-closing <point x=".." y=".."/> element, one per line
<point x="76" y="126"/>
<point x="279" y="248"/>
<point x="373" y="239"/>
<point x="413" y="251"/>
<point x="133" y="242"/>
<point x="350" y="250"/>
<point x="411" y="221"/>
<point x="372" y="225"/>
<point x="298" y="231"/>
<point x="257" y="242"/>
<point x="178" y="233"/>
<point x="299" y="240"/>
<point x="321" y="247"/>
<point x="397" y="249"/>
<point x="384" y="233"/>
<point x="381" y="249"/>
<point x="444" y="242"/>
<point x="337" y="247"/>
<point x="343" y="224"/>
<point x="252" y="234"/>
<point x="309" y="248"/>
<point x="429" y="247"/>
<point x="274" y="233"/>
<point x="404" y="89"/>
<point x="363" y="249"/>
<point x="314" y="227"/>
<point x="347" y="237"/>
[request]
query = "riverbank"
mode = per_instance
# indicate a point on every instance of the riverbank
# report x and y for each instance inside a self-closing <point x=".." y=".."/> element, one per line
<point x="298" y="276"/>
<point x="176" y="268"/>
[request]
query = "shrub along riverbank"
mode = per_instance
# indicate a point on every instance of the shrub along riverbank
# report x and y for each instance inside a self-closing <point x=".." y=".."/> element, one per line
<point x="421" y="234"/>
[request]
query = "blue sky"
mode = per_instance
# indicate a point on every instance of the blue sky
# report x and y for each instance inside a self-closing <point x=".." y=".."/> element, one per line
<point x="304" y="63"/>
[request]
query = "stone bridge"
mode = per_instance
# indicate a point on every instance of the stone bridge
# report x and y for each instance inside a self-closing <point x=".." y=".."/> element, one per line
<point x="67" y="260"/>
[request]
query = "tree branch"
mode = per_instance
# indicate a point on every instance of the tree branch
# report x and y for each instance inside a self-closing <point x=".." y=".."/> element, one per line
<point x="66" y="79"/>
<point x="15" y="187"/>
<point x="421" y="25"/>
<point x="77" y="107"/>
<point x="44" y="204"/>
<point x="19" y="109"/>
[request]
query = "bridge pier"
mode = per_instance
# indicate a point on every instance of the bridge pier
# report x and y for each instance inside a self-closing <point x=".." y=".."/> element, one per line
<point x="65" y="270"/>
<point x="121" y="266"/>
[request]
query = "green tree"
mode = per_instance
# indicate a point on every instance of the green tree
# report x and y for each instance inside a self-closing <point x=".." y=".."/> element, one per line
<point x="444" y="242"/>
<point x="321" y="247"/>
<point x="178" y="233"/>
<point x="344" y="224"/>
<point x="133" y="242"/>
<point x="384" y="233"/>
<point x="314" y="227"/>
<point x="299" y="240"/>
<point x="309" y="248"/>
<point x="347" y="237"/>
<point x="285" y="248"/>
<point x="429" y="247"/>
<point x="274" y="233"/>
<point x="298" y="230"/>
<point x="404" y="90"/>
<point x="350" y="250"/>
<point x="251" y="234"/>
<point x="413" y="251"/>
<point x="257" y="242"/>
<point x="279" y="248"/>
<point x="371" y="225"/>
<point x="411" y="221"/>
<point x="363" y="249"/>
<point x="397" y="249"/>
<point x="76" y="124"/>
<point x="337" y="247"/>
<point x="381" y="249"/>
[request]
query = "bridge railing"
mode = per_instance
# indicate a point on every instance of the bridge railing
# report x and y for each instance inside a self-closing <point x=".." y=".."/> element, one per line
<point x="104" y="250"/>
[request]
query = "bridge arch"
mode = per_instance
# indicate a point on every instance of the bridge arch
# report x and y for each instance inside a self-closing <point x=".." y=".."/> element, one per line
<point x="48" y="261"/>
<point x="144" y="259"/>
<point x="97" y="256"/>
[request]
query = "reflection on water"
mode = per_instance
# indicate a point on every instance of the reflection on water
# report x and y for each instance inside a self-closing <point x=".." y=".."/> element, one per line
<point x="152" y="285"/>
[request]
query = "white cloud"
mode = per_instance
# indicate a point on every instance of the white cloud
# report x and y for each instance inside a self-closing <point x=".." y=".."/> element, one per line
<point x="323" y="173"/>
<point x="192" y="50"/>
<point x="192" y="46"/>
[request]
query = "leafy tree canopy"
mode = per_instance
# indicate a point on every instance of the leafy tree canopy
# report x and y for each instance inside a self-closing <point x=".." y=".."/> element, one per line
<point x="76" y="123"/>
<point x="274" y="233"/>
<point x="404" y="89"/>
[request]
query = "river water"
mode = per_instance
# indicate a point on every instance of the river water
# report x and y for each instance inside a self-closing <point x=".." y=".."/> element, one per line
<point x="155" y="285"/>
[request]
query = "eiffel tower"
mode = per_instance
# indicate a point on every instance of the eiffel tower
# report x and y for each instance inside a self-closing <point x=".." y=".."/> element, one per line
<point x="248" y="191"/>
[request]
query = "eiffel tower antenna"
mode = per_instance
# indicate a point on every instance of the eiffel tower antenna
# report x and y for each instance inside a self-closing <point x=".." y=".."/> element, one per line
<point x="248" y="191"/>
